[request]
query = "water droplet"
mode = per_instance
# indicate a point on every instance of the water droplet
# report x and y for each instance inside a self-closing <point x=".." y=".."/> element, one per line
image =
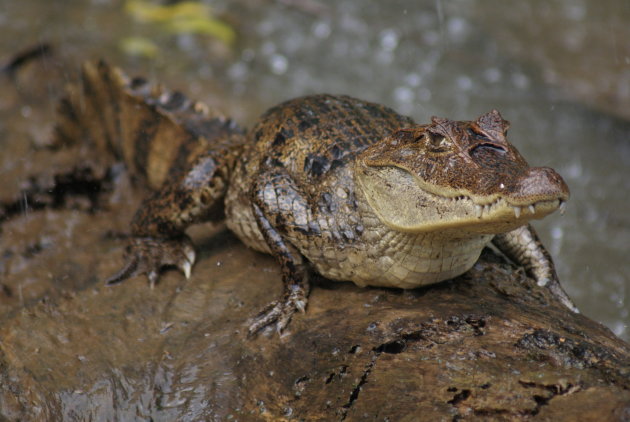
<point x="520" y="81"/>
<point x="279" y="64"/>
<point x="574" y="170"/>
<point x="321" y="30"/>
<point x="464" y="83"/>
<point x="238" y="71"/>
<point x="492" y="75"/>
<point x="619" y="328"/>
<point x="413" y="79"/>
<point x="557" y="233"/>
<point x="404" y="94"/>
<point x="389" y="40"/>
<point x="457" y="29"/>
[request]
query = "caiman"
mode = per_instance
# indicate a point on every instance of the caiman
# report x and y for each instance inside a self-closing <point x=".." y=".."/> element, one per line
<point x="344" y="187"/>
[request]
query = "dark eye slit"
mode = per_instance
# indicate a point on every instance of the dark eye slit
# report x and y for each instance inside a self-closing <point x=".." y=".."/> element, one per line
<point x="488" y="145"/>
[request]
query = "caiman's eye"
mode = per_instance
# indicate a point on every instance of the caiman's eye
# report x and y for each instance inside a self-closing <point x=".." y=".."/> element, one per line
<point x="483" y="143"/>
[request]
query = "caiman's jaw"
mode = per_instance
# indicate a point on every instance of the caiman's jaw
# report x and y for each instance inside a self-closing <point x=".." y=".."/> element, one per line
<point x="456" y="175"/>
<point x="407" y="204"/>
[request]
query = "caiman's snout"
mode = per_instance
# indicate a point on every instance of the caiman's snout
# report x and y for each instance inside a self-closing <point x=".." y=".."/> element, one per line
<point x="540" y="184"/>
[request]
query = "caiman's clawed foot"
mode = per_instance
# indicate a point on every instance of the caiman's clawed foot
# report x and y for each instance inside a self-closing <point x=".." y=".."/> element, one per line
<point x="558" y="292"/>
<point x="280" y="312"/>
<point x="146" y="255"/>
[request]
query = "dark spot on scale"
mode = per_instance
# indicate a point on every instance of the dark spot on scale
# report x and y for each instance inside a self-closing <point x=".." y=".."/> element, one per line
<point x="316" y="165"/>
<point x="373" y="110"/>
<point x="302" y="230"/>
<point x="336" y="152"/>
<point x="335" y="164"/>
<point x="258" y="134"/>
<point x="289" y="263"/>
<point x="313" y="228"/>
<point x="183" y="201"/>
<point x="353" y="202"/>
<point x="327" y="200"/>
<point x="279" y="139"/>
<point x="164" y="227"/>
<point x="348" y="234"/>
<point x="273" y="162"/>
<point x="280" y="223"/>
<point x="358" y="141"/>
<point x="288" y="133"/>
<point x="304" y="124"/>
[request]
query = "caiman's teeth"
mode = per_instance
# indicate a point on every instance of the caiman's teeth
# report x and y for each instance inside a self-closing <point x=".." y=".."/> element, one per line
<point x="478" y="210"/>
<point x="532" y="209"/>
<point x="517" y="211"/>
<point x="486" y="208"/>
<point x="562" y="206"/>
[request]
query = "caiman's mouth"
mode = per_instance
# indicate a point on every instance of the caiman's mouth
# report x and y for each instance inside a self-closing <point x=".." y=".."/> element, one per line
<point x="536" y="209"/>
<point x="405" y="203"/>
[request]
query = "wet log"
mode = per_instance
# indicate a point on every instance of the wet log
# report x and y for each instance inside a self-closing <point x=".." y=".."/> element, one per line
<point x="488" y="345"/>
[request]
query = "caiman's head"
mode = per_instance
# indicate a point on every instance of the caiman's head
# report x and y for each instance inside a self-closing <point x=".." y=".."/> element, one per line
<point x="460" y="175"/>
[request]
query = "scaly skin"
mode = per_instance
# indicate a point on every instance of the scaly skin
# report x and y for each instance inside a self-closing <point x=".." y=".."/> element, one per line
<point x="349" y="188"/>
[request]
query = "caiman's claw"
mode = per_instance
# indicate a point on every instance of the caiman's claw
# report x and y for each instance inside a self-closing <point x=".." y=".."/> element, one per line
<point x="147" y="255"/>
<point x="279" y="312"/>
<point x="556" y="290"/>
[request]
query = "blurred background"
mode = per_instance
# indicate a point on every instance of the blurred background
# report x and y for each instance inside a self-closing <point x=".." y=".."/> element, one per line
<point x="559" y="70"/>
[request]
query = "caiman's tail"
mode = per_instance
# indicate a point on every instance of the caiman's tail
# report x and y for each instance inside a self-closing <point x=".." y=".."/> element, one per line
<point x="146" y="126"/>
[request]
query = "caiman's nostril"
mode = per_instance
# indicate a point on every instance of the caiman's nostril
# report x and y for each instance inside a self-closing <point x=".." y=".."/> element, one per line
<point x="542" y="182"/>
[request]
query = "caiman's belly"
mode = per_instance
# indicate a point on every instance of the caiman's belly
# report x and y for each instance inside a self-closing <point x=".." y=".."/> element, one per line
<point x="395" y="259"/>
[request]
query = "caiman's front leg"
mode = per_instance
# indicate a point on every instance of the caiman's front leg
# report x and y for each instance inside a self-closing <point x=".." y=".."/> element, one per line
<point x="275" y="202"/>
<point x="524" y="248"/>
<point x="158" y="228"/>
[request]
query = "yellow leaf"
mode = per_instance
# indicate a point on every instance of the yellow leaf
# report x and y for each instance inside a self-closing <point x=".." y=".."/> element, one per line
<point x="182" y="17"/>
<point x="212" y="27"/>
<point x="139" y="46"/>
<point x="148" y="12"/>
